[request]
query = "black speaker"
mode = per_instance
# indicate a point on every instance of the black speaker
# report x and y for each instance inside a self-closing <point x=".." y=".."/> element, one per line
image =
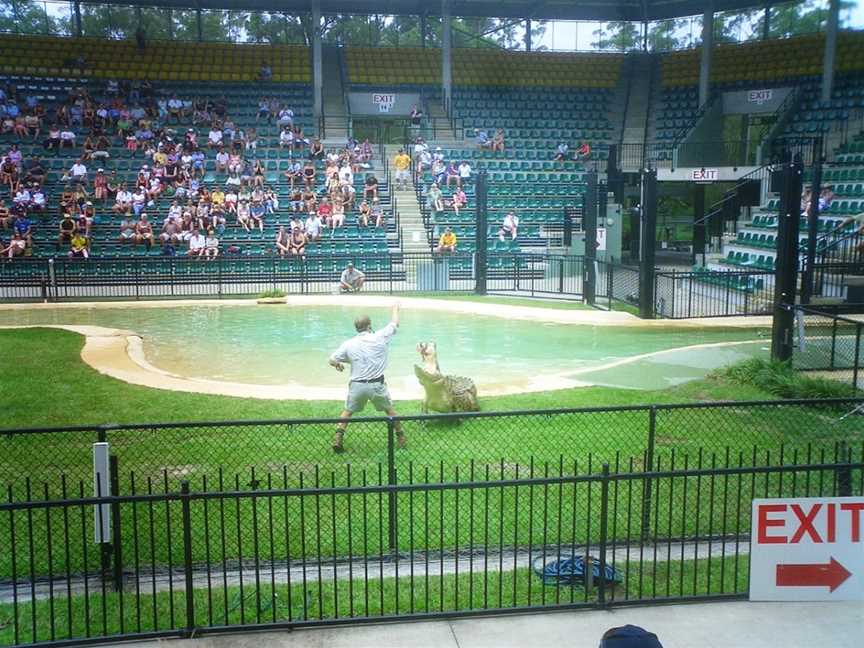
<point x="748" y="193"/>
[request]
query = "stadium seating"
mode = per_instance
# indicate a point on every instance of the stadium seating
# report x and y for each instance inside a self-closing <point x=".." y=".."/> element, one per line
<point x="771" y="61"/>
<point x="182" y="61"/>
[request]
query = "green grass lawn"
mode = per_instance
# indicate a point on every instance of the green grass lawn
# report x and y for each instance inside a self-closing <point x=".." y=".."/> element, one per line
<point x="138" y="610"/>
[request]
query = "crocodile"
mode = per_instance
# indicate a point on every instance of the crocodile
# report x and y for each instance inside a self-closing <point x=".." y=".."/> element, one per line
<point x="443" y="393"/>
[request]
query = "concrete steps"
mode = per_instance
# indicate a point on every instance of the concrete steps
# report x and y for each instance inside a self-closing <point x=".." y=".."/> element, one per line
<point x="335" y="115"/>
<point x="414" y="237"/>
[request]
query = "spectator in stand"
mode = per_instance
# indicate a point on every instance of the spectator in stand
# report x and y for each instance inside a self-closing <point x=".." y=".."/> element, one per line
<point x="309" y="173"/>
<point x="351" y="279"/>
<point x="243" y="214"/>
<point x="370" y="187"/>
<point x="402" y="164"/>
<point x="338" y="218"/>
<point x="79" y="246"/>
<point x="256" y="215"/>
<point x="266" y="73"/>
<point x="313" y="227"/>
<point x="15" y="248"/>
<point x="66" y="229"/>
<point x="460" y="200"/>
<point x="447" y="243"/>
<point x="282" y="242"/>
<point x="562" y="152"/>
<point x="144" y="231"/>
<point x="172" y="231"/>
<point x="67" y="139"/>
<point x="9" y="174"/>
<point x="286" y="138"/>
<point x="826" y="197"/>
<point x="24" y="228"/>
<point x="197" y="243"/>
<point x="582" y="153"/>
<point x="439" y="171"/>
<point x="481" y="137"/>
<point x="416" y="116"/>
<point x="435" y="200"/>
<point x="214" y="137"/>
<point x="451" y="173"/>
<point x="465" y="172"/>
<point x="211" y="245"/>
<point x="52" y="142"/>
<point x="498" y="141"/>
<point x="510" y="225"/>
<point x="316" y="150"/>
<point x="377" y="215"/>
<point x="364" y="213"/>
<point x="78" y="172"/>
<point x="100" y="186"/>
<point x="297" y="243"/>
<point x="122" y="200"/>
<point x="222" y="159"/>
<point x="286" y="117"/>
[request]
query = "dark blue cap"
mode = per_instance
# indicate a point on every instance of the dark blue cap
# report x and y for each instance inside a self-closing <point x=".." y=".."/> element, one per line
<point x="629" y="636"/>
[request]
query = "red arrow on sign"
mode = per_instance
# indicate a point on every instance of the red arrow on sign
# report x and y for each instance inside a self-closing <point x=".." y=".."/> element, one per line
<point x="831" y="575"/>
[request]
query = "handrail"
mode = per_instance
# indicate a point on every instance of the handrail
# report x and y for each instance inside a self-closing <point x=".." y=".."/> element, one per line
<point x="681" y="135"/>
<point x="717" y="207"/>
<point x="784" y="111"/>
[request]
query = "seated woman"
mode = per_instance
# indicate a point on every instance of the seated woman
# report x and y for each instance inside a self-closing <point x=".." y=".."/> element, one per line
<point x="282" y="244"/>
<point x="435" y="199"/>
<point x="460" y="200"/>
<point x="364" y="214"/>
<point x="297" y="243"/>
<point x="498" y="140"/>
<point x="338" y="219"/>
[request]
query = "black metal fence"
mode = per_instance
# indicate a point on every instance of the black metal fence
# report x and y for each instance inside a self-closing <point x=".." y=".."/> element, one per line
<point x="319" y="555"/>
<point x="709" y="293"/>
<point x="219" y="526"/>
<point x="829" y="343"/>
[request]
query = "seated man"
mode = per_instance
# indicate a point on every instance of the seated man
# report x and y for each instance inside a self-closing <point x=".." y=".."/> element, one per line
<point x="351" y="279"/>
<point x="447" y="242"/>
<point x="197" y="243"/>
<point x="583" y="152"/>
<point x="561" y="152"/>
<point x="482" y="138"/>
<point x="79" y="247"/>
<point x="510" y="226"/>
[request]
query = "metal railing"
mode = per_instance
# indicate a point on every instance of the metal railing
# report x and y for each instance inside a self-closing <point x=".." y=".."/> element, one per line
<point x="709" y="293"/>
<point x="829" y="343"/>
<point x="494" y="540"/>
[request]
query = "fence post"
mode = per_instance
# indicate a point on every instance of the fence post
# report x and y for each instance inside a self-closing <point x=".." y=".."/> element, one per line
<point x="833" y="342"/>
<point x="116" y="542"/>
<point x="391" y="481"/>
<point x="855" y="358"/>
<point x="646" y="468"/>
<point x="611" y="279"/>
<point x="187" y="559"/>
<point x="604" y="530"/>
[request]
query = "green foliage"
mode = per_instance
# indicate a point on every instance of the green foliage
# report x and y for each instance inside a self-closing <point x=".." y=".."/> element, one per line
<point x="782" y="380"/>
<point x="275" y="293"/>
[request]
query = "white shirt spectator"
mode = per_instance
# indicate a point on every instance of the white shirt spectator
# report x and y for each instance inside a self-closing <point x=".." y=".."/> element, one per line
<point x="197" y="242"/>
<point x="175" y="104"/>
<point x="286" y="136"/>
<point x="215" y="136"/>
<point x="511" y="222"/>
<point x="346" y="175"/>
<point x="78" y="170"/>
<point x="175" y="211"/>
<point x="313" y="225"/>
<point x="222" y="158"/>
<point x="67" y="136"/>
<point x="465" y="171"/>
<point x="123" y="197"/>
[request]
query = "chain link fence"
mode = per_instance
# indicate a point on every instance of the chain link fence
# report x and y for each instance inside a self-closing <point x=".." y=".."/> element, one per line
<point x="828" y="344"/>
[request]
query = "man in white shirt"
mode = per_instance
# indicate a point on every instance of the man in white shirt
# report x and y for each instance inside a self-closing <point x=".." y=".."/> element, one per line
<point x="196" y="243"/>
<point x="464" y="173"/>
<point x="346" y="175"/>
<point x="367" y="354"/>
<point x="313" y="226"/>
<point x="214" y="138"/>
<point x="286" y="138"/>
<point x="123" y="200"/>
<point x="286" y="117"/>
<point x="509" y="226"/>
<point x="78" y="172"/>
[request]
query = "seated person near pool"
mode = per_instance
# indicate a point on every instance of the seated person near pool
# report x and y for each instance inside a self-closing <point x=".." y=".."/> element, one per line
<point x="67" y="229"/>
<point x="15" y="248"/>
<point x="79" y="247"/>
<point x="351" y="279"/>
<point x="510" y="226"/>
<point x="447" y="242"/>
<point x="197" y="243"/>
<point x="297" y="243"/>
<point x="436" y="199"/>
<point x="211" y="245"/>
<point x="583" y="152"/>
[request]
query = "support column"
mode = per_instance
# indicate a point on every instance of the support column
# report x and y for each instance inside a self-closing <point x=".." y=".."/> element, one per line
<point x="424" y="29"/>
<point x="169" y="13"/>
<point x="446" y="54"/>
<point x="646" y="240"/>
<point x="698" y="224"/>
<point x="199" y="25"/>
<point x="786" y="262"/>
<point x="830" y="49"/>
<point x="644" y="35"/>
<point x="766" y="22"/>
<point x="481" y="235"/>
<point x="317" y="63"/>
<point x="77" y="9"/>
<point x="707" y="50"/>
<point x="527" y="34"/>
<point x="589" y="226"/>
<point x="808" y="276"/>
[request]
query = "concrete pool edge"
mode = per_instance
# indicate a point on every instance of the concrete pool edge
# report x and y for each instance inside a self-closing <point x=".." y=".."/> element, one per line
<point x="538" y="313"/>
<point x="119" y="354"/>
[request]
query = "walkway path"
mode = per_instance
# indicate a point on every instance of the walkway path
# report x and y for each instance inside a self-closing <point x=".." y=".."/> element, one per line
<point x="709" y="625"/>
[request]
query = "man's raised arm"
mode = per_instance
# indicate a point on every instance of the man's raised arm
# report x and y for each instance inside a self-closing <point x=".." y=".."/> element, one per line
<point x="394" y="314"/>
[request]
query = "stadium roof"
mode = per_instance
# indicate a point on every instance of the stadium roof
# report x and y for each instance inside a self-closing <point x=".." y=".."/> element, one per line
<point x="636" y="10"/>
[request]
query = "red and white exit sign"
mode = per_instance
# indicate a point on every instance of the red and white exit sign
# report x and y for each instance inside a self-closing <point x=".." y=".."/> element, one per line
<point x="807" y="549"/>
<point x="705" y="175"/>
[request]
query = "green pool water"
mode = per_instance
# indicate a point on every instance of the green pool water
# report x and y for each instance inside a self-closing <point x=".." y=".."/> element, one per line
<point x="291" y="344"/>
